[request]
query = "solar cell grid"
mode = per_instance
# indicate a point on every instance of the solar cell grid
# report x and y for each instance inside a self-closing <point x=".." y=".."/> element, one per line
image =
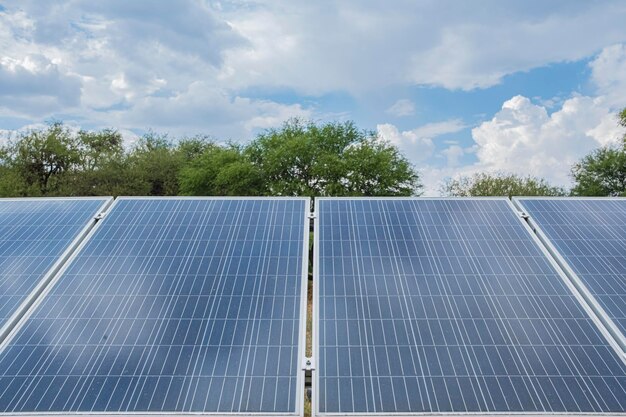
<point x="172" y="305"/>
<point x="34" y="234"/>
<point x="434" y="306"/>
<point x="590" y="236"/>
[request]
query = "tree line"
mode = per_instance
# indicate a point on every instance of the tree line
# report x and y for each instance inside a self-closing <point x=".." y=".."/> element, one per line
<point x="300" y="158"/>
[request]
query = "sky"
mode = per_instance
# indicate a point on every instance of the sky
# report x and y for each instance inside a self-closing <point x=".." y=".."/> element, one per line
<point x="526" y="87"/>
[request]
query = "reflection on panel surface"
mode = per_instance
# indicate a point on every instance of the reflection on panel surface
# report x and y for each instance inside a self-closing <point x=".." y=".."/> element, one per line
<point x="173" y="305"/>
<point x="34" y="233"/>
<point x="450" y="306"/>
<point x="590" y="234"/>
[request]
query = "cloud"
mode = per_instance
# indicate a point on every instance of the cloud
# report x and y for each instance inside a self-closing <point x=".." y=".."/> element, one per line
<point x="35" y="84"/>
<point x="432" y="130"/>
<point x="192" y="64"/>
<point x="523" y="138"/>
<point x="401" y="108"/>
<point x="609" y="74"/>
<point x="416" y="148"/>
<point x="323" y="46"/>
<point x="187" y="113"/>
<point x="133" y="65"/>
<point x="453" y="154"/>
<point x="417" y="144"/>
<point x="105" y="56"/>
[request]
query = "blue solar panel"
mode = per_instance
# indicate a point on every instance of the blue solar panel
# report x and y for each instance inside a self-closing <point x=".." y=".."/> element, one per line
<point x="590" y="235"/>
<point x="172" y="305"/>
<point x="34" y="234"/>
<point x="450" y="305"/>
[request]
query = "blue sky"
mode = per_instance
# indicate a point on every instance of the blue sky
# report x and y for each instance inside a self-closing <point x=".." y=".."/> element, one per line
<point x="460" y="87"/>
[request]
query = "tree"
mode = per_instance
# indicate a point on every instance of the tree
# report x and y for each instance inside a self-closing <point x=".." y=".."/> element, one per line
<point x="191" y="148"/>
<point x="375" y="168"/>
<point x="603" y="171"/>
<point x="102" y="165"/>
<point x="500" y="184"/>
<point x="154" y="165"/>
<point x="40" y="161"/>
<point x="309" y="159"/>
<point x="221" y="170"/>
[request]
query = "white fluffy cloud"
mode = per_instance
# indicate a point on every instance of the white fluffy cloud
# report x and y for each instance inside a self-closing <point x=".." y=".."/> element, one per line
<point x="357" y="46"/>
<point x="524" y="138"/>
<point x="401" y="108"/>
<point x="34" y="84"/>
<point x="104" y="56"/>
<point x="453" y="154"/>
<point x="416" y="148"/>
<point x="432" y="130"/>
<point x="417" y="144"/>
<point x="191" y="64"/>
<point x="132" y="65"/>
<point x="609" y="74"/>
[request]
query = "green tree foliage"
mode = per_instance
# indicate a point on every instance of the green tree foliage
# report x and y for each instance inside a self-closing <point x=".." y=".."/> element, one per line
<point x="154" y="165"/>
<point x="300" y="158"/>
<point x="500" y="184"/>
<point x="221" y="170"/>
<point x="101" y="169"/>
<point x="376" y="168"/>
<point x="40" y="161"/>
<point x="603" y="171"/>
<point x="307" y="159"/>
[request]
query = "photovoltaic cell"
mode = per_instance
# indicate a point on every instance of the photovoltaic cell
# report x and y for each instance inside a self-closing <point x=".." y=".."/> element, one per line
<point x="450" y="305"/>
<point x="172" y="305"/>
<point x="34" y="233"/>
<point x="590" y="235"/>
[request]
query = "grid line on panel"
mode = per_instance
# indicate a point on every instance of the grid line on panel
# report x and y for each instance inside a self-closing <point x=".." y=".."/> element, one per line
<point x="34" y="233"/>
<point x="590" y="234"/>
<point x="451" y="306"/>
<point x="173" y="305"/>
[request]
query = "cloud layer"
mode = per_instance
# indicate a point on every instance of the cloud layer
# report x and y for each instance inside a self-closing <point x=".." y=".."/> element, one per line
<point x="220" y="68"/>
<point x="190" y="64"/>
<point x="524" y="138"/>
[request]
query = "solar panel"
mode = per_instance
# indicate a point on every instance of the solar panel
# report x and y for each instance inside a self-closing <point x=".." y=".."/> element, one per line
<point x="588" y="236"/>
<point x="450" y="306"/>
<point x="35" y="234"/>
<point x="172" y="305"/>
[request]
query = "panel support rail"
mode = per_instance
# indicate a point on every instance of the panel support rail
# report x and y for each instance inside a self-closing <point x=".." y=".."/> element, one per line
<point x="573" y="279"/>
<point x="308" y="366"/>
<point x="49" y="276"/>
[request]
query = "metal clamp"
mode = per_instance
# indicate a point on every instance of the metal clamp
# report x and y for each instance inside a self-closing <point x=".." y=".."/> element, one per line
<point x="100" y="216"/>
<point x="312" y="215"/>
<point x="308" y="364"/>
<point x="523" y="215"/>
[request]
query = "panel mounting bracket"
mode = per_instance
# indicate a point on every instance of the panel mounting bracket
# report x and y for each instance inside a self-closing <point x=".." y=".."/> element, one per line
<point x="523" y="215"/>
<point x="100" y="215"/>
<point x="308" y="364"/>
<point x="312" y="215"/>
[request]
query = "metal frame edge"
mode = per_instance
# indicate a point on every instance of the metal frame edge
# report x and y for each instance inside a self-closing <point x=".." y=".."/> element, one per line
<point x="111" y="205"/>
<point x="315" y="408"/>
<point x="29" y="301"/>
<point x="316" y="303"/>
<point x="300" y="395"/>
<point x="589" y="299"/>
